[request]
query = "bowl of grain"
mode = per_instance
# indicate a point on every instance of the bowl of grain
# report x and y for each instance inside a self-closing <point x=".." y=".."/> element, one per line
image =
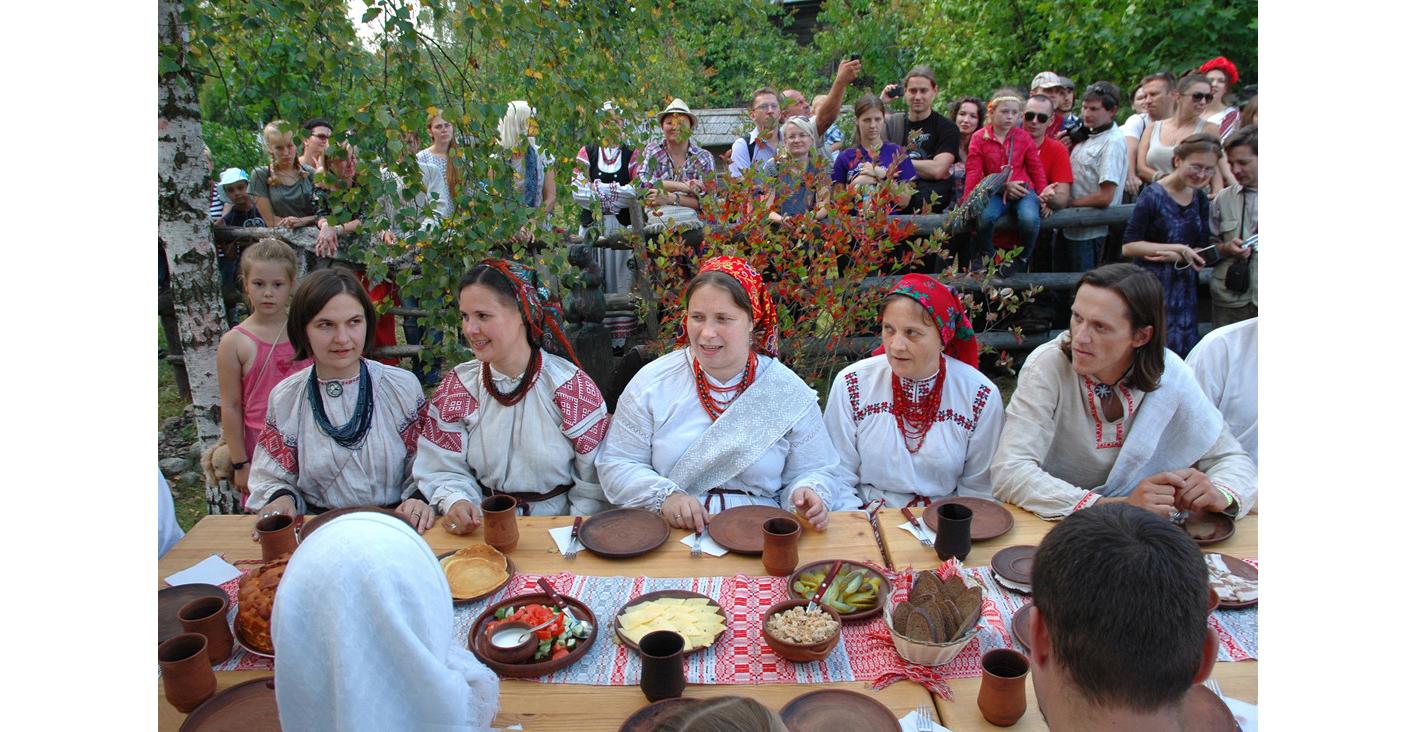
<point x="798" y="634"/>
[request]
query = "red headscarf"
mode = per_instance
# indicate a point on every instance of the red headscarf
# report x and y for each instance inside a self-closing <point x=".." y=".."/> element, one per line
<point x="538" y="309"/>
<point x="1223" y="64"/>
<point x="764" y="311"/>
<point x="943" y="305"/>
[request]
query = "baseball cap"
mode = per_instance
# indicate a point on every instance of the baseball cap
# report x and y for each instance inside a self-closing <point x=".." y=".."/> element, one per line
<point x="232" y="175"/>
<point x="1047" y="80"/>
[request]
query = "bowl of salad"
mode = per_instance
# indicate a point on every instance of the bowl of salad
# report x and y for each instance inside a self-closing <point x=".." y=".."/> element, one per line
<point x="563" y="641"/>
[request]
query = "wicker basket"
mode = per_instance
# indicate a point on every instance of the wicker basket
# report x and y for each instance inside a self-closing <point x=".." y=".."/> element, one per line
<point x="920" y="652"/>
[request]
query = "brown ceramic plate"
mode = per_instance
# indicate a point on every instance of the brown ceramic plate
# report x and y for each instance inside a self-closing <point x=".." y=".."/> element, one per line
<point x="245" y="646"/>
<point x="1014" y="564"/>
<point x="1243" y="569"/>
<point x="659" y="595"/>
<point x="622" y="533"/>
<point x="171" y="599"/>
<point x="330" y="515"/>
<point x="652" y="717"/>
<point x="846" y="568"/>
<point x="245" y="707"/>
<point x="1203" y="710"/>
<point x="536" y="668"/>
<point x="510" y="570"/>
<point x="1021" y="632"/>
<point x="837" y="710"/>
<point x="1209" y="528"/>
<point x="739" y="529"/>
<point x="990" y="520"/>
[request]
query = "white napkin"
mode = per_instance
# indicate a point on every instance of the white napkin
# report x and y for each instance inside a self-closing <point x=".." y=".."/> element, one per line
<point x="562" y="537"/>
<point x="911" y="721"/>
<point x="708" y="546"/>
<point x="1012" y="585"/>
<point x="924" y="532"/>
<point x="212" y="571"/>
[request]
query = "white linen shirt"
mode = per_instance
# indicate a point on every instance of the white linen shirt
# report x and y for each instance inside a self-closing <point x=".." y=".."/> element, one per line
<point x="1226" y="365"/>
<point x="658" y="417"/>
<point x="550" y="438"/>
<point x="874" y="461"/>
<point x="1098" y="159"/>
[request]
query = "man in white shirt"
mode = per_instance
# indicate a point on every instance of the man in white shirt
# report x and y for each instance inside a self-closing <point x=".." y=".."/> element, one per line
<point x="1226" y="365"/>
<point x="1098" y="171"/>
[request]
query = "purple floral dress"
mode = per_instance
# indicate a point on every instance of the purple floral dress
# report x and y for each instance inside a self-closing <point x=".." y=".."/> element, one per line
<point x="1158" y="218"/>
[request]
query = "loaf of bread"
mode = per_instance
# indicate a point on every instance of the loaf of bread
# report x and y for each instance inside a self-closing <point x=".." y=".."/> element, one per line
<point x="254" y="600"/>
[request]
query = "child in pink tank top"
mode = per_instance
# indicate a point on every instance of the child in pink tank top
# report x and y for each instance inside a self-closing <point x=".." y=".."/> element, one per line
<point x="256" y="355"/>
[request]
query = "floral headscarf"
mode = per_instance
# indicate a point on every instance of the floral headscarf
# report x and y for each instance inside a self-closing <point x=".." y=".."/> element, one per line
<point x="538" y="310"/>
<point x="943" y="305"/>
<point x="764" y="310"/>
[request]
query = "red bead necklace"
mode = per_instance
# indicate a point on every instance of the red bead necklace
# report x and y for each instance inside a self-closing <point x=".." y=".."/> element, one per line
<point x="533" y="369"/>
<point x="915" y="418"/>
<point x="706" y="390"/>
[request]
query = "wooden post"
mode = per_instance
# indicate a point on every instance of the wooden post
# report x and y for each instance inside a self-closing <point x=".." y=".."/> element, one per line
<point x="184" y="230"/>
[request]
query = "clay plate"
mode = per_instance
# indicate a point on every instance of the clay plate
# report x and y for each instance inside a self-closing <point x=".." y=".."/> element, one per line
<point x="247" y="647"/>
<point x="1243" y="569"/>
<point x="652" y="717"/>
<point x="1014" y="564"/>
<point x="171" y="599"/>
<point x="245" y="706"/>
<point x="739" y="529"/>
<point x="837" y="710"/>
<point x="990" y="520"/>
<point x="1204" y="710"/>
<point x="330" y="515"/>
<point x="651" y="596"/>
<point x="623" y="532"/>
<point x="1021" y="633"/>
<point x="1209" y="528"/>
<point x="510" y="570"/>
<point x="539" y="668"/>
<point x="846" y="568"/>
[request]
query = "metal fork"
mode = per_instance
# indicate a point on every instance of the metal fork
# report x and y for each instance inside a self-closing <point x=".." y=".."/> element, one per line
<point x="574" y="548"/>
<point x="924" y="719"/>
<point x="697" y="551"/>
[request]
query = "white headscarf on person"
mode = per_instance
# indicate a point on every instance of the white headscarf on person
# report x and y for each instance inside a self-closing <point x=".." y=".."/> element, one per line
<point x="363" y="629"/>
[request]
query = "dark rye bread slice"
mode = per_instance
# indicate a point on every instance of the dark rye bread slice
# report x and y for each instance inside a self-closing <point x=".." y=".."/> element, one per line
<point x="971" y="609"/>
<point x="927" y="584"/>
<point x="954" y="588"/>
<point x="900" y="617"/>
<point x="922" y="627"/>
<point x="939" y="619"/>
<point x="952" y="619"/>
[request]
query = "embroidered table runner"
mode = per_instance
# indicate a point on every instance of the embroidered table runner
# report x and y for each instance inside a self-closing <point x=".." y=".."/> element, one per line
<point x="740" y="656"/>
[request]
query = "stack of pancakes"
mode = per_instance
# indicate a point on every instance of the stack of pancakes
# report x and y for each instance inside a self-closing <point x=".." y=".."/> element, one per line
<point x="474" y="571"/>
<point x="938" y="611"/>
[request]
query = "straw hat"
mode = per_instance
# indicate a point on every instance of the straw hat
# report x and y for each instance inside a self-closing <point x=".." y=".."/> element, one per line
<point x="677" y="106"/>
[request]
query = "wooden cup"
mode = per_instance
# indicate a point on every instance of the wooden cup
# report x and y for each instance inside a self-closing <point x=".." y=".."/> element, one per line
<point x="780" y="537"/>
<point x="661" y="656"/>
<point x="277" y="533"/>
<point x="187" y="678"/>
<point x="499" y="522"/>
<point x="207" y="616"/>
<point x="1003" y="695"/>
<point x="953" y="532"/>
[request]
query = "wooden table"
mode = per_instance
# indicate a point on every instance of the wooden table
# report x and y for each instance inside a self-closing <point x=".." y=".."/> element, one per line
<point x="574" y="707"/>
<point x="539" y="706"/>
<point x="1238" y="680"/>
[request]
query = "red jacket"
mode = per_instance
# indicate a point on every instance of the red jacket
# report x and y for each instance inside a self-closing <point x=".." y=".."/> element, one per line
<point x="986" y="156"/>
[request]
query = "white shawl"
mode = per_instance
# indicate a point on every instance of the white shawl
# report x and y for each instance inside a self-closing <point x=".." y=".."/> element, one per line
<point x="363" y="629"/>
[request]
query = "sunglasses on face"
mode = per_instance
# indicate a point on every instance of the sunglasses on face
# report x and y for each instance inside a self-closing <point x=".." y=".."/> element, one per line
<point x="1036" y="116"/>
<point x="1205" y="97"/>
<point x="767" y="107"/>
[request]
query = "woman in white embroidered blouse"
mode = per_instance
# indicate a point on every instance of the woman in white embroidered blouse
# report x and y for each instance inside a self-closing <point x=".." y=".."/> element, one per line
<point x="720" y="423"/>
<point x="1105" y="413"/>
<point x="520" y="418"/>
<point x="917" y="420"/>
<point x="341" y="432"/>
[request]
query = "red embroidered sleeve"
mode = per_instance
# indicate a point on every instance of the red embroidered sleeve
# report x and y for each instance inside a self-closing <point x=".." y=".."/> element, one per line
<point x="583" y="416"/>
<point x="281" y="448"/>
<point x="1087" y="501"/>
<point x="453" y="403"/>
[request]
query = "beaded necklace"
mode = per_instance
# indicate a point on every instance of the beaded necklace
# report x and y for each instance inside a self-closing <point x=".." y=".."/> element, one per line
<point x="915" y="418"/>
<point x="351" y="433"/>
<point x="707" y="390"/>
<point x="533" y="369"/>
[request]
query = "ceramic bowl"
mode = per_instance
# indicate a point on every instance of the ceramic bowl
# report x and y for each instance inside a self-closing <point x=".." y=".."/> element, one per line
<point x="518" y="653"/>
<point x="800" y="652"/>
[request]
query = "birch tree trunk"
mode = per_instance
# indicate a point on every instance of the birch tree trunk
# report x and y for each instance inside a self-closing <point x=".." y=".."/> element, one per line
<point x="184" y="231"/>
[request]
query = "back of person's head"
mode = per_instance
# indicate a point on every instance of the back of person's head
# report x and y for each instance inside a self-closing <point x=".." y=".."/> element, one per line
<point x="1123" y="595"/>
<point x="1144" y="299"/>
<point x="1244" y="137"/>
<point x="725" y="714"/>
<point x="1105" y="92"/>
<point x="515" y="124"/>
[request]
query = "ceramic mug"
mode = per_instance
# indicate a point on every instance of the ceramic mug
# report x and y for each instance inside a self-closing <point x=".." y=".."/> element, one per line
<point x="207" y="616"/>
<point x="187" y="678"/>
<point x="1003" y="694"/>
<point x="499" y="522"/>
<point x="661" y="656"/>
<point x="277" y="532"/>
<point x="952" y="537"/>
<point x="780" y="537"/>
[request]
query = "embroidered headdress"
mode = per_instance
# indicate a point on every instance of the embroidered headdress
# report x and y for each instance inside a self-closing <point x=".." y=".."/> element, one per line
<point x="943" y="305"/>
<point x="538" y="310"/>
<point x="764" y="311"/>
